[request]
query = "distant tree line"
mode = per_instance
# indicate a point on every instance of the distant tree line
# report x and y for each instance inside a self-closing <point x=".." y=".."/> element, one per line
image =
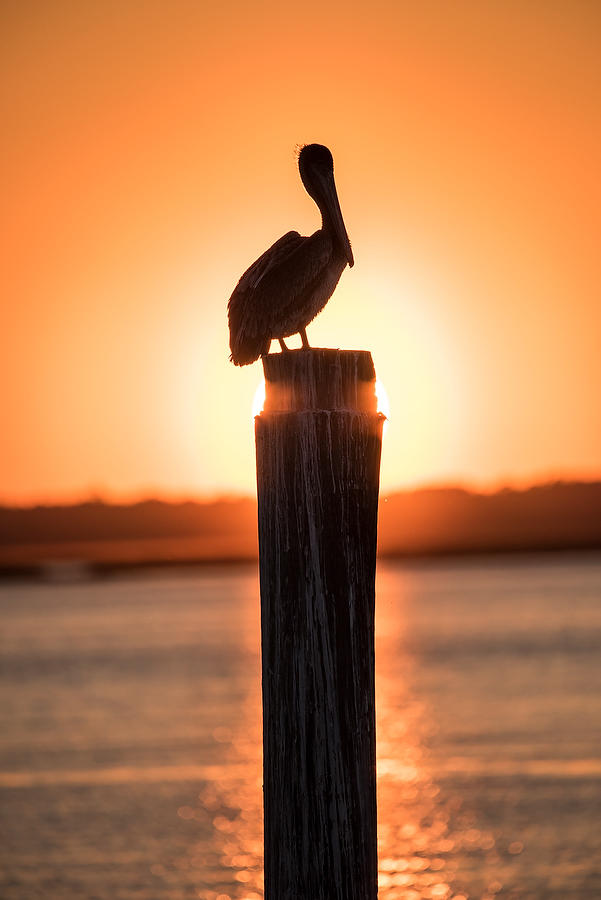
<point x="561" y="515"/>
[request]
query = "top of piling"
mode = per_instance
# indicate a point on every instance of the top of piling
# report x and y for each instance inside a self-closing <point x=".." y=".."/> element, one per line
<point x="319" y="379"/>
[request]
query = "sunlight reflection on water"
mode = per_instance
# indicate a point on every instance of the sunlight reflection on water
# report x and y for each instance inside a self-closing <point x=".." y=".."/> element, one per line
<point x="435" y="840"/>
<point x="230" y="806"/>
<point x="130" y="736"/>
<point x="417" y="840"/>
<point x="421" y="832"/>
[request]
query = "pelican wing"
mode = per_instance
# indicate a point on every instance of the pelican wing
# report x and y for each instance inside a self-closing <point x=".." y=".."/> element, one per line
<point x="286" y="288"/>
<point x="249" y="309"/>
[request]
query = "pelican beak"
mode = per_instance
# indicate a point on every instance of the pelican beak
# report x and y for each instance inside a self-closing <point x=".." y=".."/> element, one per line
<point x="335" y="215"/>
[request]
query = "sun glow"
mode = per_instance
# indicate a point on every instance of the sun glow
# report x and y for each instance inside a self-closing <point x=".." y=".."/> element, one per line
<point x="383" y="404"/>
<point x="382" y="398"/>
<point x="259" y="399"/>
<point x="475" y="286"/>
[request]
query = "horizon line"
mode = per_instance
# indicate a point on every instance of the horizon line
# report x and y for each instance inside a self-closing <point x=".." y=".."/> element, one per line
<point x="134" y="498"/>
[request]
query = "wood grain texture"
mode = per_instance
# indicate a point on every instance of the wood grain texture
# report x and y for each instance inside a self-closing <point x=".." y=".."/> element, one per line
<point x="320" y="379"/>
<point x="317" y="476"/>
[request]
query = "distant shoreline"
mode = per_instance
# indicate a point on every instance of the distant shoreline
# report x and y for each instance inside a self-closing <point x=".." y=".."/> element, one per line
<point x="100" y="539"/>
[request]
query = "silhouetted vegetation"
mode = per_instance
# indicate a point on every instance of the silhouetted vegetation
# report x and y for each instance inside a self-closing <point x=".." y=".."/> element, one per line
<point x="558" y="516"/>
<point x="98" y="521"/>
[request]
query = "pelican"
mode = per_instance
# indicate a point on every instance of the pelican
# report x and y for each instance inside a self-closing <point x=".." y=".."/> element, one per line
<point x="292" y="281"/>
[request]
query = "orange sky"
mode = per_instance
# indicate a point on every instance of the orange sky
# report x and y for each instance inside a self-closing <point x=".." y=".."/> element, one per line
<point x="148" y="158"/>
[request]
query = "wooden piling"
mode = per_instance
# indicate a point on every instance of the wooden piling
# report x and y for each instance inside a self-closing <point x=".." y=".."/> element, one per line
<point x="318" y="445"/>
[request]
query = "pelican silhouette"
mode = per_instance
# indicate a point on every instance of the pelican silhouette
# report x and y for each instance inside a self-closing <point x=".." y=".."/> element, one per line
<point x="292" y="281"/>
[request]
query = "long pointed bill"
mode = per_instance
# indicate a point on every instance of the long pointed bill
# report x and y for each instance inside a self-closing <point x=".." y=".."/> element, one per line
<point x="335" y="216"/>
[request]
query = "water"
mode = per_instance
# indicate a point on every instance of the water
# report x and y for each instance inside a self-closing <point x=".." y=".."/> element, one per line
<point x="130" y="760"/>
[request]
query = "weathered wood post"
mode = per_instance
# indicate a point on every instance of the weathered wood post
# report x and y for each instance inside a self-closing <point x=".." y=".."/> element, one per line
<point x="318" y="460"/>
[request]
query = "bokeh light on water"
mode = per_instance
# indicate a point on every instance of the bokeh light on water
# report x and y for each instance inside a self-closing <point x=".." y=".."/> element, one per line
<point x="230" y="808"/>
<point x="130" y="735"/>
<point x="425" y="837"/>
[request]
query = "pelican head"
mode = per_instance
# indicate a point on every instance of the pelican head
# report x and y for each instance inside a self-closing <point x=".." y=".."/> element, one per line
<point x="316" y="168"/>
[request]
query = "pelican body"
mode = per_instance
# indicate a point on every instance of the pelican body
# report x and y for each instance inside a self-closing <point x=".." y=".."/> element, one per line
<point x="292" y="281"/>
